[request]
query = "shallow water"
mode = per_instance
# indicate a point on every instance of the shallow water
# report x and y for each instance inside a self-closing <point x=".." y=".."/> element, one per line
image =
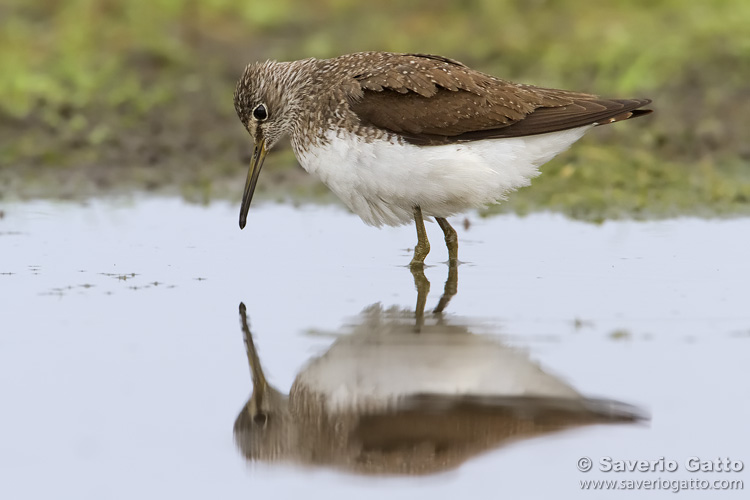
<point x="123" y="366"/>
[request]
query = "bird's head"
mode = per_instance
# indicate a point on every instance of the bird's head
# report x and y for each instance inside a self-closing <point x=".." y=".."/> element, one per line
<point x="264" y="103"/>
<point x="264" y="429"/>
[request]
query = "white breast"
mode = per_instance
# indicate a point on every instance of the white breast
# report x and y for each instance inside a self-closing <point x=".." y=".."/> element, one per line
<point x="372" y="371"/>
<point x="383" y="181"/>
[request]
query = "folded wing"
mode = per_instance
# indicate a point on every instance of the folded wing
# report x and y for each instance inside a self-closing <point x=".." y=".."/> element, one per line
<point x="433" y="100"/>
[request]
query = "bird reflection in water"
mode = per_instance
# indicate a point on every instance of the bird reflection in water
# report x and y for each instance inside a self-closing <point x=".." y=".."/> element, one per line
<point x="387" y="398"/>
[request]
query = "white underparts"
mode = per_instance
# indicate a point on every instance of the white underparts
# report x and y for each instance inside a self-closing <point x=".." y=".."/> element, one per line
<point x="383" y="181"/>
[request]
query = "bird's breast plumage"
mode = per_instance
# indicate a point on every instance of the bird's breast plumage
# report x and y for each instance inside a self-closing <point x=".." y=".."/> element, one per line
<point x="382" y="180"/>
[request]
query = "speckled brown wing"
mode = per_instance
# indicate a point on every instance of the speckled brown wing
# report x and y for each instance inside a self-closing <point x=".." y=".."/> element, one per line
<point x="433" y="100"/>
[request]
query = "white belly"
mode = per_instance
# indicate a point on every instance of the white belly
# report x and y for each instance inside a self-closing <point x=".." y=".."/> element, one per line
<point x="383" y="181"/>
<point x="374" y="371"/>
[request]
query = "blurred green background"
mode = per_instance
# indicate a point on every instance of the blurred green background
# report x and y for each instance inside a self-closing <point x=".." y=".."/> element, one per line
<point x="112" y="96"/>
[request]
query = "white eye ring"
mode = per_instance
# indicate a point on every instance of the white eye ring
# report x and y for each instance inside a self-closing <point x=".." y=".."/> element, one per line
<point x="260" y="113"/>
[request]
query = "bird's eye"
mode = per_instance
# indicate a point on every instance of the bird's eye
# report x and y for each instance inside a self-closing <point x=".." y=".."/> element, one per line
<point x="260" y="113"/>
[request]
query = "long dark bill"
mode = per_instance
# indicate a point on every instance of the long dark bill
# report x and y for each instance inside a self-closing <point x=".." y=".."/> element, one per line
<point x="260" y="386"/>
<point x="259" y="154"/>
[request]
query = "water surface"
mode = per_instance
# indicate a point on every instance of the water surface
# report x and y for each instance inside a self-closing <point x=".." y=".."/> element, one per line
<point x="123" y="366"/>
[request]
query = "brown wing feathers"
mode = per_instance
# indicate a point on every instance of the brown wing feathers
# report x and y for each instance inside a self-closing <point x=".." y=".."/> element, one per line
<point x="577" y="114"/>
<point x="433" y="100"/>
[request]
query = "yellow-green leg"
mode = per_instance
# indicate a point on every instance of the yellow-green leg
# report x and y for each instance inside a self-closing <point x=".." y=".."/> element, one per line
<point x="422" y="284"/>
<point x="423" y="245"/>
<point x="450" y="289"/>
<point x="451" y="240"/>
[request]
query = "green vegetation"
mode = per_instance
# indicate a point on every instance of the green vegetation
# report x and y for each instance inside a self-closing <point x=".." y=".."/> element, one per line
<point x="103" y="95"/>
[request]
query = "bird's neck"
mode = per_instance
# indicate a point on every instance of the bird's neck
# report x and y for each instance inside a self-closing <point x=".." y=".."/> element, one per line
<point x="303" y="93"/>
<point x="316" y="102"/>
